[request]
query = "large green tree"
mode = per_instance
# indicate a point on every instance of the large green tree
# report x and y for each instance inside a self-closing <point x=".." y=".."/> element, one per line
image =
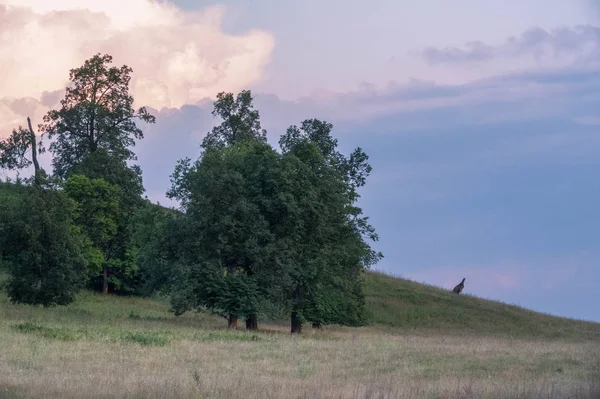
<point x="96" y="212"/>
<point x="92" y="134"/>
<point x="237" y="143"/>
<point x="46" y="253"/>
<point x="228" y="196"/>
<point x="324" y="234"/>
<point x="122" y="270"/>
<point x="96" y="113"/>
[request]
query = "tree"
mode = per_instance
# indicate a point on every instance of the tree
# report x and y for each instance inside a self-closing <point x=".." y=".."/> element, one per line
<point x="241" y="124"/>
<point x="10" y="199"/>
<point x="14" y="149"/>
<point x="240" y="121"/>
<point x="122" y="270"/>
<point x="93" y="134"/>
<point x="354" y="169"/>
<point x="96" y="113"/>
<point x="325" y="250"/>
<point x="284" y="228"/>
<point x="45" y="251"/>
<point x="226" y="197"/>
<point x="96" y="213"/>
<point x="157" y="234"/>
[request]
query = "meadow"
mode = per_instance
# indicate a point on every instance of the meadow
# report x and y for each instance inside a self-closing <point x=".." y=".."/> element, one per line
<point x="423" y="343"/>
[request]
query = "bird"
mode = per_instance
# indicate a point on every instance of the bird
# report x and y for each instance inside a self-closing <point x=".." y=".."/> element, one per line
<point x="458" y="289"/>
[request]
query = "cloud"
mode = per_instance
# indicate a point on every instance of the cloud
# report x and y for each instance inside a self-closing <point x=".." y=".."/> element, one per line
<point x="14" y="112"/>
<point x="178" y="57"/>
<point x="419" y="104"/>
<point x="562" y="46"/>
<point x="437" y="142"/>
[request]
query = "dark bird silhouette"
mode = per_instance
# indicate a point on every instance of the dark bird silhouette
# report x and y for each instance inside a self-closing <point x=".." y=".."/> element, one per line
<point x="458" y="289"/>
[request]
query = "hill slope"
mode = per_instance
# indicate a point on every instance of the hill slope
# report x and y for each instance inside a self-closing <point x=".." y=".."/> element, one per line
<point x="396" y="302"/>
<point x="128" y="347"/>
<point x="403" y="304"/>
<point x="394" y="305"/>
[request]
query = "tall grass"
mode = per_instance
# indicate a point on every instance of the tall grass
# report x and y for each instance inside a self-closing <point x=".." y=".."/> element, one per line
<point x="110" y="347"/>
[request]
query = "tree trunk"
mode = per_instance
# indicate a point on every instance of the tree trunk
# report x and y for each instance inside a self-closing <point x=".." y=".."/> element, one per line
<point x="105" y="283"/>
<point x="36" y="164"/>
<point x="232" y="322"/>
<point x="252" y="322"/>
<point x="296" y="324"/>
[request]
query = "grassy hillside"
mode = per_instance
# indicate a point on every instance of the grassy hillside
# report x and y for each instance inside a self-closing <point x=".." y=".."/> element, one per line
<point x="405" y="304"/>
<point x="393" y="304"/>
<point x="423" y="342"/>
<point x="127" y="347"/>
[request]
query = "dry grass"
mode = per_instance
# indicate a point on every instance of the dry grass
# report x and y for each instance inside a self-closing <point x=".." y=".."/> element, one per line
<point x="133" y="348"/>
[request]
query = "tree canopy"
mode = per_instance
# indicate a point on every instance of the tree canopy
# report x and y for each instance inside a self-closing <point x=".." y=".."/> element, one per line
<point x="14" y="149"/>
<point x="96" y="113"/>
<point x="227" y="196"/>
<point x="282" y="226"/>
<point x="46" y="252"/>
<point x="240" y="121"/>
<point x="259" y="230"/>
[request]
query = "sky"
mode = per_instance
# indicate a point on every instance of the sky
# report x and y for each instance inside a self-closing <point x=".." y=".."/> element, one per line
<point x="481" y="119"/>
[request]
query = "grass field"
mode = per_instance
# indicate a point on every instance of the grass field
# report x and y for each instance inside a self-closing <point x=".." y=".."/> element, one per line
<point x="111" y="347"/>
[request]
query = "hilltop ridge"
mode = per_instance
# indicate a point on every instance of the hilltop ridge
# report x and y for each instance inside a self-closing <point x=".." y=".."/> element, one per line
<point x="397" y="302"/>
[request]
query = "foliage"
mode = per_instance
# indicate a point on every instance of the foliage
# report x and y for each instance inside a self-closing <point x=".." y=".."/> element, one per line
<point x="10" y="198"/>
<point x="241" y="121"/>
<point x="13" y="150"/>
<point x="278" y="226"/>
<point x="44" y="249"/>
<point x="324" y="246"/>
<point x="100" y="164"/>
<point x="228" y="237"/>
<point x="226" y="196"/>
<point x="92" y="133"/>
<point x="257" y="229"/>
<point x="96" y="213"/>
<point x="156" y="235"/>
<point x="96" y="113"/>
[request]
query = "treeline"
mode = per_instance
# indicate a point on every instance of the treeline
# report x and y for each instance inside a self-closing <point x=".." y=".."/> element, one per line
<point x="258" y="230"/>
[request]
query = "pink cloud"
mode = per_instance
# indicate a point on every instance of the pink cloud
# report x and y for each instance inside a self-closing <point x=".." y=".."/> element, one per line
<point x="178" y="57"/>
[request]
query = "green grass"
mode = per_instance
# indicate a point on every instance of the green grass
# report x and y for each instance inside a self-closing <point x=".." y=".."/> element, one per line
<point x="393" y="304"/>
<point x="404" y="304"/>
<point x="424" y="343"/>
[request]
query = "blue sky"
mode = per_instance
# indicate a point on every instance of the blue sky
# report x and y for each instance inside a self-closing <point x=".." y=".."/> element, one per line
<point x="504" y="193"/>
<point x="482" y="119"/>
